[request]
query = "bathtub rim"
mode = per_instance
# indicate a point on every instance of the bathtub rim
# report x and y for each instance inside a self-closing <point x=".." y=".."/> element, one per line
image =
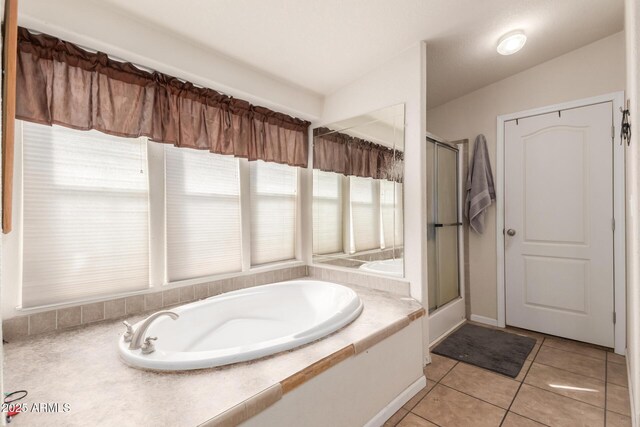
<point x="166" y="361"/>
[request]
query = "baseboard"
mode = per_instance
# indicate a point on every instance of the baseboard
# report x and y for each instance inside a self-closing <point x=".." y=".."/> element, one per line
<point x="443" y="336"/>
<point x="631" y="391"/>
<point x="484" y="320"/>
<point x="381" y="417"/>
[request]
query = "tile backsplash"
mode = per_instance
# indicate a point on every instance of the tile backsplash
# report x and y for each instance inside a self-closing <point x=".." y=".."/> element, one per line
<point x="68" y="317"/>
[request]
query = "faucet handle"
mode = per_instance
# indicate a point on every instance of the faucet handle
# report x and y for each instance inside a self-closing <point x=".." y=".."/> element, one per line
<point x="147" y="346"/>
<point x="128" y="335"/>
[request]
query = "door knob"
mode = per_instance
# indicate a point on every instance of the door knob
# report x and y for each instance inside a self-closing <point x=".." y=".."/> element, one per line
<point x="511" y="232"/>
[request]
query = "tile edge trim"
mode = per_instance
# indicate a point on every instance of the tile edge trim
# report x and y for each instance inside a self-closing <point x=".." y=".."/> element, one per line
<point x="247" y="408"/>
<point x="316" y="368"/>
<point x="262" y="400"/>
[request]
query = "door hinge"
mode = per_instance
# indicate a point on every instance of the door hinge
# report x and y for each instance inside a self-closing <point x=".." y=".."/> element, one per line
<point x="613" y="224"/>
<point x="614" y="318"/>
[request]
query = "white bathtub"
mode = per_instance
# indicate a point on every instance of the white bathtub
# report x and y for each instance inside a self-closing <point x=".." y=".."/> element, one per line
<point x="246" y="324"/>
<point x="392" y="267"/>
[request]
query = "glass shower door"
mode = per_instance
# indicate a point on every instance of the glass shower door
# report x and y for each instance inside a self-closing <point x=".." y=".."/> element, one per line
<point x="443" y="224"/>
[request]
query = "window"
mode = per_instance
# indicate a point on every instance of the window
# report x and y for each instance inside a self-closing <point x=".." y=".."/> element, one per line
<point x="327" y="212"/>
<point x="85" y="221"/>
<point x="86" y="214"/>
<point x="203" y="214"/>
<point x="273" y="200"/>
<point x="391" y="213"/>
<point x="365" y="214"/>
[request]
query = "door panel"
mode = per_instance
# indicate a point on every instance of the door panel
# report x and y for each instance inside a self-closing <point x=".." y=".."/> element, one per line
<point x="559" y="202"/>
<point x="447" y="186"/>
<point x="448" y="270"/>
<point x="542" y="275"/>
<point x="554" y="152"/>
<point x="442" y="236"/>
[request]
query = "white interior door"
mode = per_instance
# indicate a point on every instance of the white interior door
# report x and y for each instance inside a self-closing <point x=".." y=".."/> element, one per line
<point x="558" y="223"/>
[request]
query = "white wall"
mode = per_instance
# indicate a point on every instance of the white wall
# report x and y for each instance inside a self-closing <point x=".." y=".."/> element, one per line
<point x="352" y="392"/>
<point x="400" y="80"/>
<point x="632" y="30"/>
<point x="100" y="27"/>
<point x="594" y="69"/>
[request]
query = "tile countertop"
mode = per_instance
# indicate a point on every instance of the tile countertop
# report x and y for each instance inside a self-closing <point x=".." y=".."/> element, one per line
<point x="82" y="367"/>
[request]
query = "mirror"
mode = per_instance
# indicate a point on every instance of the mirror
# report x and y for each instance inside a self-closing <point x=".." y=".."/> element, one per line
<point x="358" y="171"/>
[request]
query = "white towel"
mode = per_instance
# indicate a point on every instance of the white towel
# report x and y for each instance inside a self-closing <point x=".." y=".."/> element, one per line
<point x="480" y="189"/>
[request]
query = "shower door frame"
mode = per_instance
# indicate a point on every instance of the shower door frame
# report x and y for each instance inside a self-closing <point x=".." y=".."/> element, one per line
<point x="451" y="315"/>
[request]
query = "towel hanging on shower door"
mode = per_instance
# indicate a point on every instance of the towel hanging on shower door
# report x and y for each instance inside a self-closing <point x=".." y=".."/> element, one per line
<point x="480" y="188"/>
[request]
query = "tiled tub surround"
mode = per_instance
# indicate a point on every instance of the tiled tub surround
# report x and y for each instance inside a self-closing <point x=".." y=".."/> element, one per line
<point x="349" y="277"/>
<point x="69" y="317"/>
<point x="81" y="367"/>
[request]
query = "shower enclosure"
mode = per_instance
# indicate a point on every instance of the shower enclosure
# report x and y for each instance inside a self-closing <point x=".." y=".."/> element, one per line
<point x="443" y="225"/>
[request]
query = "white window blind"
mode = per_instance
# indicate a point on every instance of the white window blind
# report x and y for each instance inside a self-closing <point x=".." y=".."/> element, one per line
<point x="365" y="214"/>
<point x="391" y="212"/>
<point x="203" y="213"/>
<point x="273" y="198"/>
<point x="399" y="229"/>
<point x="327" y="212"/>
<point x="85" y="231"/>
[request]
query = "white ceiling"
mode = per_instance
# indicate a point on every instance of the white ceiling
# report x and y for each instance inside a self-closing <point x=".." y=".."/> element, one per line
<point x="323" y="45"/>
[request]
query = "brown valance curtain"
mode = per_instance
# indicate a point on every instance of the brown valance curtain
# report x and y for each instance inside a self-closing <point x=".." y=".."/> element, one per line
<point x="348" y="155"/>
<point x="60" y="83"/>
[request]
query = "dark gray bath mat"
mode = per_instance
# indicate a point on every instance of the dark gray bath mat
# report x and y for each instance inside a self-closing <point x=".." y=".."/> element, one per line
<point x="491" y="349"/>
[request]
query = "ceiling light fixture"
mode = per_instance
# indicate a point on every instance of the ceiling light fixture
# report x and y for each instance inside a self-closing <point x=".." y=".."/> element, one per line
<point x="511" y="43"/>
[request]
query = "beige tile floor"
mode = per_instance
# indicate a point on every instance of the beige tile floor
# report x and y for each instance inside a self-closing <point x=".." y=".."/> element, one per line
<point x="562" y="383"/>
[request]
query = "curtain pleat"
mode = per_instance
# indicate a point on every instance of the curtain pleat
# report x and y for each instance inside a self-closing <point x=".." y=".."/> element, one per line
<point x="345" y="154"/>
<point x="60" y="83"/>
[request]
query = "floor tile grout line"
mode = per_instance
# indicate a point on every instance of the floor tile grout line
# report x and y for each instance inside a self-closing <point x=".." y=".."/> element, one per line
<point x="520" y="385"/>
<point x="533" y="360"/>
<point x="470" y="395"/>
<point x="543" y="335"/>
<point x="429" y="392"/>
<point x="571" y="398"/>
<point x="524" y="377"/>
<point x="410" y="410"/>
<point x="576" y="400"/>
<point x="618" y="413"/>
<point x="607" y="374"/>
<point x="446" y="373"/>
<point x="421" y="417"/>
<point x="402" y="418"/>
<point x="571" y="372"/>
<point x="574" y="352"/>
<point x="606" y="382"/>
<point x="475" y="397"/>
<point x="579" y="353"/>
<point x="525" y="417"/>
<point x="606" y="390"/>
